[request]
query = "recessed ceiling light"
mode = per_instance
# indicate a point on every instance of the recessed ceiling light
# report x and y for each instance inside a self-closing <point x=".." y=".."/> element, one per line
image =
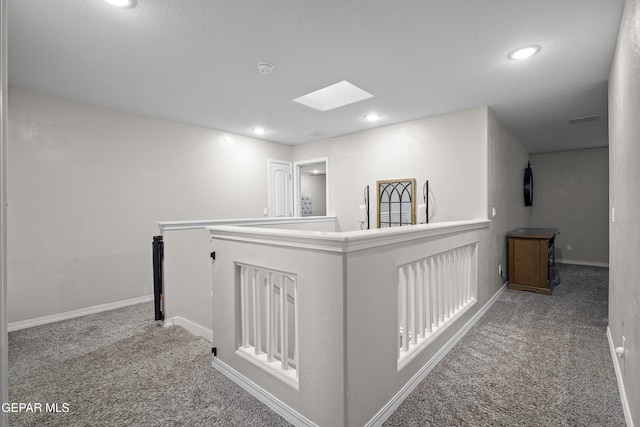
<point x="259" y="131"/>
<point x="374" y="117"/>
<point x="334" y="96"/>
<point x="524" y="52"/>
<point x="122" y="3"/>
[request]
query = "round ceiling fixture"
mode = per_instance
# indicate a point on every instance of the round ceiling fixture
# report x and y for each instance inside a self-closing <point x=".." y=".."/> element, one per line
<point x="265" y="67"/>
<point x="122" y="3"/>
<point x="373" y="117"/>
<point x="259" y="131"/>
<point x="524" y="52"/>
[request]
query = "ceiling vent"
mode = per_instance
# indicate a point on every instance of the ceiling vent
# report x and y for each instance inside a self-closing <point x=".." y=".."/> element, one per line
<point x="584" y="119"/>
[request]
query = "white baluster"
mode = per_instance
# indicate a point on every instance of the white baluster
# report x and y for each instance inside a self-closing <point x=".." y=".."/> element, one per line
<point x="255" y="307"/>
<point x="421" y="298"/>
<point x="295" y="325"/>
<point x="244" y="321"/>
<point x="440" y="260"/>
<point x="404" y="310"/>
<point x="271" y="339"/>
<point x="430" y="306"/>
<point x="452" y="284"/>
<point x="413" y="302"/>
<point x="447" y="286"/>
<point x="467" y="274"/>
<point x="458" y="291"/>
<point x="284" y="331"/>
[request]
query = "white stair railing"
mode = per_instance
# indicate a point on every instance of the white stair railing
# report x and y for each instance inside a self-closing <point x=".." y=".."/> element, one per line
<point x="269" y="319"/>
<point x="432" y="293"/>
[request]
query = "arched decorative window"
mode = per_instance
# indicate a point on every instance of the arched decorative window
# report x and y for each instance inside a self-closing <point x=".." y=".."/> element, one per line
<point x="396" y="202"/>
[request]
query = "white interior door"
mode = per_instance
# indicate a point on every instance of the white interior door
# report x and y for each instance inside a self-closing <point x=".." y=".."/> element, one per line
<point x="280" y="188"/>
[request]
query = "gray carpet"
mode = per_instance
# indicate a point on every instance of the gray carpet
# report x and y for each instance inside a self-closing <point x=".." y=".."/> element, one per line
<point x="120" y="369"/>
<point x="532" y="360"/>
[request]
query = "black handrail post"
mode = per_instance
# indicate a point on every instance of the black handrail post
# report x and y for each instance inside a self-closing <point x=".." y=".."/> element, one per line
<point x="158" y="280"/>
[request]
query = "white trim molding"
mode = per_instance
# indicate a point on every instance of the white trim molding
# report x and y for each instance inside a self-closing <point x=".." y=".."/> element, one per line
<point x="191" y="327"/>
<point x="623" y="394"/>
<point x="244" y="222"/>
<point x="395" y="402"/>
<point x="275" y="404"/>
<point x="591" y="263"/>
<point x="29" y="323"/>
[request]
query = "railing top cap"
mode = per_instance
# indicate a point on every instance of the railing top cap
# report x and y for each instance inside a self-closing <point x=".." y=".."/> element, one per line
<point x="202" y="224"/>
<point x="343" y="241"/>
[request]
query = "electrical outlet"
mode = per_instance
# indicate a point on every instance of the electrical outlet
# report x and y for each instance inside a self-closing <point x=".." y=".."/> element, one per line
<point x="569" y="248"/>
<point x="620" y="350"/>
<point x="500" y="270"/>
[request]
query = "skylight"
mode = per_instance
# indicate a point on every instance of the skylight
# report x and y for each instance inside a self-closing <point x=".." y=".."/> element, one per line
<point x="334" y="96"/>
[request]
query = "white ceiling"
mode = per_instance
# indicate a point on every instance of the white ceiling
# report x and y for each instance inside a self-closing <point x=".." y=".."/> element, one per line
<point x="195" y="61"/>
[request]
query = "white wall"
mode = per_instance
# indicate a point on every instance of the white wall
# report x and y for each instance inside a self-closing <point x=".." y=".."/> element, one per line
<point x="571" y="193"/>
<point x="624" y="178"/>
<point x="4" y="342"/>
<point x="86" y="185"/>
<point x="507" y="160"/>
<point x="187" y="280"/>
<point x="449" y="150"/>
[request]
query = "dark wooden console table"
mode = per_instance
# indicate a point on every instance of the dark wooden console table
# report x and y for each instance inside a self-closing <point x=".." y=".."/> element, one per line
<point x="532" y="260"/>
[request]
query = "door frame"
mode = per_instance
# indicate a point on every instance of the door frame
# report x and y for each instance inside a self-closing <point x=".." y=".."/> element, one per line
<point x="4" y="317"/>
<point x="296" y="182"/>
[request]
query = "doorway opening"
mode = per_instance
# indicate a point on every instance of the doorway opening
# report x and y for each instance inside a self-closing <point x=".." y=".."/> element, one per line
<point x="311" y="187"/>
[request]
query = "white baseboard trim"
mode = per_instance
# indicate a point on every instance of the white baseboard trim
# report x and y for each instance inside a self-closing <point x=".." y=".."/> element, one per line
<point x="623" y="394"/>
<point x="591" y="263"/>
<point x="395" y="402"/>
<point x="193" y="328"/>
<point x="29" y="323"/>
<point x="275" y="404"/>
